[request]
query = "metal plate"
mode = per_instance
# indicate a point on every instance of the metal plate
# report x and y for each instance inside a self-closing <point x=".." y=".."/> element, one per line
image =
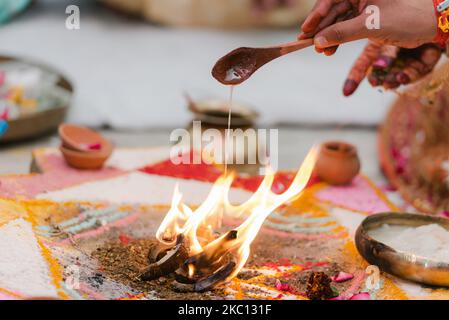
<point x="40" y="123"/>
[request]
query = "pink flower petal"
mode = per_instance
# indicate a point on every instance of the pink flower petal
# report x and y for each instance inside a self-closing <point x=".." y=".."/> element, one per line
<point x="361" y="296"/>
<point x="283" y="287"/>
<point x="93" y="146"/>
<point x="342" y="277"/>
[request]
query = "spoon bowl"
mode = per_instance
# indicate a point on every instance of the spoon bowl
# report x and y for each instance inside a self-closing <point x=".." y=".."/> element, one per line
<point x="240" y="64"/>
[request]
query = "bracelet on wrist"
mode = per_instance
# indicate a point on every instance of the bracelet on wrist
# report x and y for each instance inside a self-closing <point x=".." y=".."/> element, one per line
<point x="442" y="13"/>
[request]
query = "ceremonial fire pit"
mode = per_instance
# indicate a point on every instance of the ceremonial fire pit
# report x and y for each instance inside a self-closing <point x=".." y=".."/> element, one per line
<point x="191" y="246"/>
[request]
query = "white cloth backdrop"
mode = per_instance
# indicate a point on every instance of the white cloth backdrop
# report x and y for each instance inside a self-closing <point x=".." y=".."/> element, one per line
<point x="131" y="74"/>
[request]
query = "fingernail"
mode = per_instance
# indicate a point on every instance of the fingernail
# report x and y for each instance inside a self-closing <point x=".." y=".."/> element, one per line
<point x="350" y="87"/>
<point x="403" y="78"/>
<point x="321" y="42"/>
<point x="374" y="81"/>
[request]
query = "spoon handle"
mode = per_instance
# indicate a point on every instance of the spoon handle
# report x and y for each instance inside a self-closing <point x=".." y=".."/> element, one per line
<point x="295" y="46"/>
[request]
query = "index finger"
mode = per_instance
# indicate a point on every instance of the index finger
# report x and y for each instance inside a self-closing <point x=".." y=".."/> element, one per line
<point x="318" y="13"/>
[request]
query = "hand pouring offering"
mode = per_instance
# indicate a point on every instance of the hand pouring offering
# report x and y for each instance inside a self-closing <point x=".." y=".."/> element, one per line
<point x="240" y="64"/>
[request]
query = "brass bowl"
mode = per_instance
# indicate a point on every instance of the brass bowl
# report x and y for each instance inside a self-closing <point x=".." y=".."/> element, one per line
<point x="215" y="113"/>
<point x="404" y="265"/>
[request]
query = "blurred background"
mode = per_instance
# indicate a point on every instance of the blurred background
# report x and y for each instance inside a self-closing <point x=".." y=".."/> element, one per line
<point x="132" y="62"/>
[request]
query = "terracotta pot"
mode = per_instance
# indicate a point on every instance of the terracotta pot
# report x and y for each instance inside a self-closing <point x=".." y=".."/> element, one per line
<point x="81" y="139"/>
<point x="338" y="163"/>
<point x="87" y="160"/>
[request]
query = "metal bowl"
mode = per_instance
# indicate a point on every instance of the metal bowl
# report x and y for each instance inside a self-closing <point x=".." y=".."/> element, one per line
<point x="36" y="124"/>
<point x="404" y="265"/>
<point x="215" y="113"/>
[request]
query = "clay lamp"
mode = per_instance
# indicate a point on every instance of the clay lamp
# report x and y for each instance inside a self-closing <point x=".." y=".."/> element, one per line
<point x="338" y="163"/>
<point x="84" y="148"/>
<point x="81" y="139"/>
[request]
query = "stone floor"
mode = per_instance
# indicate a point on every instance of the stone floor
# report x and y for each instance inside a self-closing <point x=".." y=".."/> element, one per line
<point x="294" y="144"/>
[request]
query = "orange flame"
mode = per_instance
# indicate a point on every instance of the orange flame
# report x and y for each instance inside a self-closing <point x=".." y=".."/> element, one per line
<point x="198" y="225"/>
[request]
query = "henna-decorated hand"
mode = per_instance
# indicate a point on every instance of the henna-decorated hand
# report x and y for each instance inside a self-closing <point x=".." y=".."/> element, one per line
<point x="391" y="66"/>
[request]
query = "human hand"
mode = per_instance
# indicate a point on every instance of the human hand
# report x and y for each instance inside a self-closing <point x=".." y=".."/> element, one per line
<point x="403" y="23"/>
<point x="390" y="66"/>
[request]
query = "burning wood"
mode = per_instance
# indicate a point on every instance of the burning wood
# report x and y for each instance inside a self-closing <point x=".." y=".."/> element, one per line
<point x="189" y="248"/>
<point x="208" y="281"/>
<point x="215" y="278"/>
<point x="157" y="252"/>
<point x="213" y="253"/>
<point x="170" y="262"/>
<point x="200" y="272"/>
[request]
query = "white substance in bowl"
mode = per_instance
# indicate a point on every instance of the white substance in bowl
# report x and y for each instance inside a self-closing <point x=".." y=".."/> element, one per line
<point x="428" y="241"/>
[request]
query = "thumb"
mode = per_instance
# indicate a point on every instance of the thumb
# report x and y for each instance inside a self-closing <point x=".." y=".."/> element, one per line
<point x="342" y="32"/>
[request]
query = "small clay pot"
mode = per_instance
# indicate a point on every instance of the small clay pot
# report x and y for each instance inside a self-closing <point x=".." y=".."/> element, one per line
<point x="87" y="160"/>
<point x="81" y="139"/>
<point x="338" y="163"/>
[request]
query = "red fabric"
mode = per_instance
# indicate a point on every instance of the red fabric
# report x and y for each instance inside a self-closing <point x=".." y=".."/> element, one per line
<point x="442" y="37"/>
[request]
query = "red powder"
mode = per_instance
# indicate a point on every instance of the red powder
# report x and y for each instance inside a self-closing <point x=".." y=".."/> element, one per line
<point x="285" y="262"/>
<point x="210" y="173"/>
<point x="200" y="172"/>
<point x="272" y="265"/>
<point x="124" y="239"/>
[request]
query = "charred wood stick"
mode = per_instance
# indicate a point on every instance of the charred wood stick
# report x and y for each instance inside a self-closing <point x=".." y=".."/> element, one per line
<point x="212" y="253"/>
<point x="182" y="277"/>
<point x="214" y="279"/>
<point x="158" y="252"/>
<point x="169" y="263"/>
<point x="183" y="287"/>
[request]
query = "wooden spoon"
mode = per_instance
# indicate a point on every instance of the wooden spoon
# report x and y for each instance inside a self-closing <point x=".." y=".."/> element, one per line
<point x="240" y="64"/>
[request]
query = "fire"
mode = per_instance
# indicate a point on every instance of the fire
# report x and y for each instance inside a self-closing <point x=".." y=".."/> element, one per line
<point x="198" y="225"/>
